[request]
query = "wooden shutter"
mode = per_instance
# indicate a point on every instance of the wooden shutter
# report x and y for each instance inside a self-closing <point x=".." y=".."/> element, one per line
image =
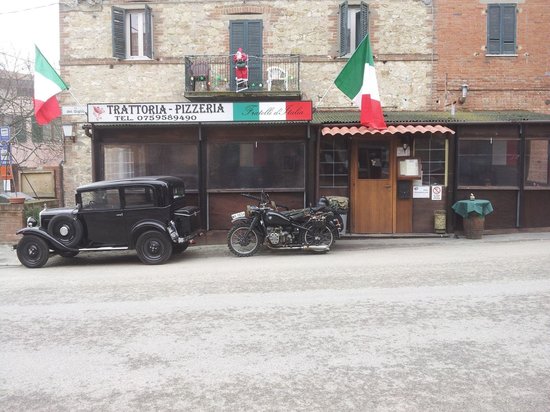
<point x="118" y="23"/>
<point x="344" y="30"/>
<point x="247" y="34"/>
<point x="508" y="19"/>
<point x="363" y="27"/>
<point x="148" y="38"/>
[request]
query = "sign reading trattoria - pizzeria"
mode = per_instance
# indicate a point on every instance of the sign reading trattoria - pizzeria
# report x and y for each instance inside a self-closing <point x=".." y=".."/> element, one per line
<point x="199" y="112"/>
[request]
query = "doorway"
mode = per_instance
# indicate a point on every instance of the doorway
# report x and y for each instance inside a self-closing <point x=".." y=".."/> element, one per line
<point x="372" y="186"/>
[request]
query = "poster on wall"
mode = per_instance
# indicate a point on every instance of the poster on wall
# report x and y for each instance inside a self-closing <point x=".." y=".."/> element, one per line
<point x="421" y="192"/>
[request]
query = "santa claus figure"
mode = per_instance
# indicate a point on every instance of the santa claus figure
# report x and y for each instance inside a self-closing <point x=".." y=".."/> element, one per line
<point x="241" y="64"/>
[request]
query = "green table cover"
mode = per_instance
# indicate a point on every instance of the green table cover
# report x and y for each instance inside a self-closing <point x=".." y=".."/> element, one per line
<point x="479" y="206"/>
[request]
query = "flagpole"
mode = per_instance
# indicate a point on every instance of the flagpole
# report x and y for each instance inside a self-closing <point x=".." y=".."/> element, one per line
<point x="75" y="99"/>
<point x="323" y="96"/>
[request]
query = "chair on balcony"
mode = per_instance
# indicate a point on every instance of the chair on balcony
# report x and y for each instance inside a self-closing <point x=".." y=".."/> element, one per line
<point x="200" y="72"/>
<point x="276" y="74"/>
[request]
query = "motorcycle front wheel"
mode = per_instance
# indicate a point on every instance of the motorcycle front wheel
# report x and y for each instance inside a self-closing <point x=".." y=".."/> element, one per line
<point x="242" y="242"/>
<point x="318" y="236"/>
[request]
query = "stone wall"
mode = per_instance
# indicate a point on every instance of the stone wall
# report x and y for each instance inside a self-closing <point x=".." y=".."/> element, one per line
<point x="401" y="38"/>
<point x="13" y="217"/>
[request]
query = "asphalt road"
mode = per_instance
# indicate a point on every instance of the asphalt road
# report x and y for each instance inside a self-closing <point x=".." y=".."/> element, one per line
<point x="374" y="325"/>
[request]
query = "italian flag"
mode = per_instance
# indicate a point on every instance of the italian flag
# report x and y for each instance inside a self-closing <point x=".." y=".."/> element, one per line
<point x="47" y="84"/>
<point x="357" y="80"/>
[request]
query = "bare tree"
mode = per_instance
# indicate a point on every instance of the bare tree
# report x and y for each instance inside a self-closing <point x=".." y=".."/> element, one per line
<point x="31" y="145"/>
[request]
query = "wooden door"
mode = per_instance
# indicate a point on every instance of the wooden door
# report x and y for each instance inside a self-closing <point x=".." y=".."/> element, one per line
<point x="372" y="186"/>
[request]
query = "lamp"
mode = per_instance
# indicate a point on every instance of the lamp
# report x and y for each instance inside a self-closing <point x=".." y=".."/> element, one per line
<point x="68" y="131"/>
<point x="464" y="89"/>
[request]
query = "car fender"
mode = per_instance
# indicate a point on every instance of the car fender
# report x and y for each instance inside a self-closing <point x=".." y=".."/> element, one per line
<point x="52" y="242"/>
<point x="143" y="226"/>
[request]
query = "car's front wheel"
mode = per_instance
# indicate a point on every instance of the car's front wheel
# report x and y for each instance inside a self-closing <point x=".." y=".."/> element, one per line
<point x="153" y="247"/>
<point x="33" y="251"/>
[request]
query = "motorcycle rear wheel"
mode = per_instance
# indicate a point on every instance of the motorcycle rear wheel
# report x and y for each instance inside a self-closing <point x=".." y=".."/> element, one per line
<point x="241" y="244"/>
<point x="318" y="236"/>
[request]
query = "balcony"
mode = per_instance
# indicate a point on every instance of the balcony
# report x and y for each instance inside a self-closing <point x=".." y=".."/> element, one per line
<point x="270" y="77"/>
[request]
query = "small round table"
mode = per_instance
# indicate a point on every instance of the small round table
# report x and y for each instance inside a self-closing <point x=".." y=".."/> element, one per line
<point x="473" y="213"/>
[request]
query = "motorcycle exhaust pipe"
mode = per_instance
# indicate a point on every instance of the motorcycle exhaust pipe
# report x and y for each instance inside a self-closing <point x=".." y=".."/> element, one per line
<point x="316" y="248"/>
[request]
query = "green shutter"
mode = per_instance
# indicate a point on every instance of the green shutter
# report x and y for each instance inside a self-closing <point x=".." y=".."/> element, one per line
<point x="118" y="32"/>
<point x="148" y="38"/>
<point x="508" y="29"/>
<point x="248" y="34"/>
<point x="344" y="30"/>
<point x="363" y="22"/>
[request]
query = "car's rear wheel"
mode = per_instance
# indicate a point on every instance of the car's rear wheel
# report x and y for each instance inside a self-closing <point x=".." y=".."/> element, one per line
<point x="33" y="251"/>
<point x="66" y="229"/>
<point x="153" y="247"/>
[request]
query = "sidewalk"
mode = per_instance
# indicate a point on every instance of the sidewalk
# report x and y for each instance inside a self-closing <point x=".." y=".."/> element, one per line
<point x="8" y="256"/>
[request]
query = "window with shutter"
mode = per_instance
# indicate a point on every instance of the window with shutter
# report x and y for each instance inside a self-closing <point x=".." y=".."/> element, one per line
<point x="132" y="32"/>
<point x="501" y="29"/>
<point x="248" y="34"/>
<point x="354" y="26"/>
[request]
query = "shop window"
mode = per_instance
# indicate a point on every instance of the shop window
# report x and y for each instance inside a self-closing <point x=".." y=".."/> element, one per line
<point x="132" y="33"/>
<point x="432" y="151"/>
<point x="256" y="165"/>
<point x="170" y="159"/>
<point x="333" y="163"/>
<point x="354" y="26"/>
<point x="501" y="29"/>
<point x="488" y="162"/>
<point x="537" y="162"/>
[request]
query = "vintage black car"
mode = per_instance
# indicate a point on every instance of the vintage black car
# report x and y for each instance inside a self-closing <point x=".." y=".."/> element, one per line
<point x="147" y="214"/>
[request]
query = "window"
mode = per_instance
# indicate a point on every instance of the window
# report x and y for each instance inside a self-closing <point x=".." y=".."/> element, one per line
<point x="101" y="199"/>
<point x="132" y="35"/>
<point x="138" y="197"/>
<point x="248" y="35"/>
<point x="256" y="165"/>
<point x="488" y="162"/>
<point x="148" y="159"/>
<point x="537" y="162"/>
<point x="432" y="151"/>
<point x="501" y="29"/>
<point x="333" y="163"/>
<point x="354" y="26"/>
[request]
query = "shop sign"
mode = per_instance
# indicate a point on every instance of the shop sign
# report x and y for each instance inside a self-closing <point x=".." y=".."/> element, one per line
<point x="199" y="112"/>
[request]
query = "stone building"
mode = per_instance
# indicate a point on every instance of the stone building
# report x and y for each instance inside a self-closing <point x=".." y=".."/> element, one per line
<point x="151" y="75"/>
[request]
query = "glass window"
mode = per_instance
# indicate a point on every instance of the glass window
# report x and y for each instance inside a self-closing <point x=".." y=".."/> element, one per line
<point x="131" y="28"/>
<point x="488" y="162"/>
<point x="333" y="163"/>
<point x="152" y="159"/>
<point x="373" y="160"/>
<point x="255" y="165"/>
<point x="537" y="161"/>
<point x="139" y="196"/>
<point x="432" y="153"/>
<point x="101" y="199"/>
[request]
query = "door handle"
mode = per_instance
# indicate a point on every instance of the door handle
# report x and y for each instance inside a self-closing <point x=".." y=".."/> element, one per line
<point x="388" y="186"/>
<point x="119" y="214"/>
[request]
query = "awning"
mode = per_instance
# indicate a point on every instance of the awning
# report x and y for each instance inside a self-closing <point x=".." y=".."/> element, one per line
<point x="362" y="130"/>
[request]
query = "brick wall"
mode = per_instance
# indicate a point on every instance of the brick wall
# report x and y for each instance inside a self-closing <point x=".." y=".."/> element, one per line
<point x="11" y="220"/>
<point x="520" y="82"/>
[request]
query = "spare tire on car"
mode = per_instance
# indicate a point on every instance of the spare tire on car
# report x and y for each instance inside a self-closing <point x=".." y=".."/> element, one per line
<point x="66" y="229"/>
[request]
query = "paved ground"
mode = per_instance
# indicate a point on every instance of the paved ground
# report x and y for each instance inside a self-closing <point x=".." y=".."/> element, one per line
<point x="376" y="324"/>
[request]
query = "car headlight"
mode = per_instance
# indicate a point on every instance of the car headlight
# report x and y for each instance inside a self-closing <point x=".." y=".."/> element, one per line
<point x="31" y="221"/>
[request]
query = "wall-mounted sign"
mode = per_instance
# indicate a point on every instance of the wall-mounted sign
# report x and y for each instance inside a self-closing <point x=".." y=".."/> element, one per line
<point x="4" y="134"/>
<point x="199" y="112"/>
<point x="73" y="110"/>
<point x="437" y="192"/>
<point x="421" y="192"/>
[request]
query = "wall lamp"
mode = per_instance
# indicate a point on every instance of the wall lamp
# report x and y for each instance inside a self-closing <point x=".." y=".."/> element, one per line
<point x="464" y="89"/>
<point x="69" y="131"/>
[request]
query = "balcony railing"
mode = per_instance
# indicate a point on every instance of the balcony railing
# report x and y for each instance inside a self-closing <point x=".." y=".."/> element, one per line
<point x="266" y="74"/>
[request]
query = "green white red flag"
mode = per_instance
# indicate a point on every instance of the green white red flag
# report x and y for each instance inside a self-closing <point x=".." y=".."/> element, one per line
<point x="47" y="84"/>
<point x="357" y="80"/>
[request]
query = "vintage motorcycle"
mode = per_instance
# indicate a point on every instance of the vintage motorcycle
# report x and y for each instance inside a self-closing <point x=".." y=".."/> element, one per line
<point x="306" y="229"/>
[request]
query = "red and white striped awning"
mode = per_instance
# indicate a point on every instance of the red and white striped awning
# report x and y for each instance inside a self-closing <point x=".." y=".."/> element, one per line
<point x="362" y="130"/>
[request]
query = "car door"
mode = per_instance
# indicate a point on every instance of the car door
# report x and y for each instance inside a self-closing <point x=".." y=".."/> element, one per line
<point x="142" y="204"/>
<point x="103" y="217"/>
